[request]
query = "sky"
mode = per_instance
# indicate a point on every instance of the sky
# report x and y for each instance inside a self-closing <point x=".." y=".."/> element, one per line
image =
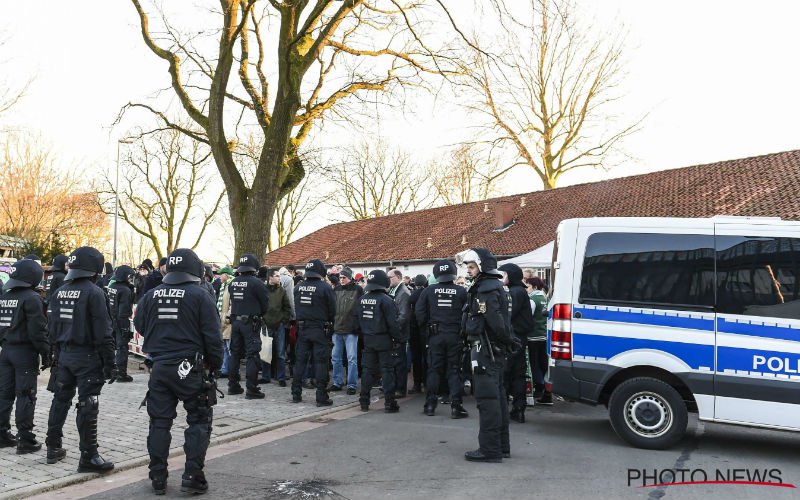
<point x="716" y="79"/>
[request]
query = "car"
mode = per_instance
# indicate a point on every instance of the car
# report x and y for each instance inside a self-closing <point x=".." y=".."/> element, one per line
<point x="659" y="317"/>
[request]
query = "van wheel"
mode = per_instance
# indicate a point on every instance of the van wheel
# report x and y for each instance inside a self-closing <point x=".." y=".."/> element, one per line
<point x="648" y="413"/>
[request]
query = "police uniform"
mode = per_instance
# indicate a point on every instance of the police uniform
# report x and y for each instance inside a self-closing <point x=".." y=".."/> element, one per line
<point x="23" y="338"/>
<point x="80" y="325"/>
<point x="315" y="310"/>
<point x="120" y="304"/>
<point x="249" y="300"/>
<point x="375" y="316"/>
<point x="439" y="311"/>
<point x="488" y="329"/>
<point x="521" y="325"/>
<point x="56" y="278"/>
<point x="180" y="325"/>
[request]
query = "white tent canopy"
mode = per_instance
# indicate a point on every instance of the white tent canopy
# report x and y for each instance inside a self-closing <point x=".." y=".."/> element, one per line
<point x="539" y="258"/>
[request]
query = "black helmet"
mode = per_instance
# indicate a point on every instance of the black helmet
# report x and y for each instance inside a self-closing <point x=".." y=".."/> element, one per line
<point x="24" y="273"/>
<point x="248" y="263"/>
<point x="59" y="263"/>
<point x="444" y="271"/>
<point x="123" y="274"/>
<point x="315" y="269"/>
<point x="84" y="262"/>
<point x="483" y="258"/>
<point x="183" y="266"/>
<point x="514" y="273"/>
<point x="377" y="280"/>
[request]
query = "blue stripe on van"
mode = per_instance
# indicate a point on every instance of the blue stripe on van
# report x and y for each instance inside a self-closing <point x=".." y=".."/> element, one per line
<point x="758" y="330"/>
<point x="647" y="318"/>
<point x="602" y="346"/>
<point x="770" y="362"/>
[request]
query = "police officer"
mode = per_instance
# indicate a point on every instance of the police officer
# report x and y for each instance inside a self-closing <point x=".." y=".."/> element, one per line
<point x="488" y="329"/>
<point x="522" y="326"/>
<point x="249" y="298"/>
<point x="180" y="325"/>
<point x="120" y="304"/>
<point x="439" y="311"/>
<point x="375" y="317"/>
<point x="23" y="338"/>
<point x="315" y="309"/>
<point x="56" y="278"/>
<point x="80" y="325"/>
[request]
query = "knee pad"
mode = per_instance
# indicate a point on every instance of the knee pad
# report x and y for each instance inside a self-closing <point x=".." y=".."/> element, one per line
<point x="197" y="412"/>
<point x="89" y="403"/>
<point x="163" y="424"/>
<point x="29" y="394"/>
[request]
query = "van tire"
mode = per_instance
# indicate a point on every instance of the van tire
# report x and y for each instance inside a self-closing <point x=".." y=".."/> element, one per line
<point x="648" y="413"/>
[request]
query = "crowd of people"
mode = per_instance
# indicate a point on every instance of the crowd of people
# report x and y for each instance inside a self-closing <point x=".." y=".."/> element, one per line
<point x="329" y="330"/>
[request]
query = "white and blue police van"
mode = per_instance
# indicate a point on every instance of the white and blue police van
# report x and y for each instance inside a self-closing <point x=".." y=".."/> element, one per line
<point x="658" y="317"/>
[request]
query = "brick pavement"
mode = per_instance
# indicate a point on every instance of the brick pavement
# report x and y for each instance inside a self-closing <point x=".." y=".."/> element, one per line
<point x="122" y="431"/>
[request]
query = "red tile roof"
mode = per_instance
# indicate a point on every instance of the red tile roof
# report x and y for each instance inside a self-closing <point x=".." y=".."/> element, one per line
<point x="766" y="185"/>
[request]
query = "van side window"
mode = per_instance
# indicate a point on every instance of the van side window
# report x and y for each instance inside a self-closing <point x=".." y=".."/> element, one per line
<point x="674" y="271"/>
<point x="758" y="276"/>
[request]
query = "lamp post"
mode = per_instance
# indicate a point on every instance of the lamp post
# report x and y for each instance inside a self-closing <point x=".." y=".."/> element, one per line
<point x="116" y="201"/>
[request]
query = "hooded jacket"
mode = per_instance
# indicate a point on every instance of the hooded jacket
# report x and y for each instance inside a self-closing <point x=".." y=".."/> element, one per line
<point x="521" y="315"/>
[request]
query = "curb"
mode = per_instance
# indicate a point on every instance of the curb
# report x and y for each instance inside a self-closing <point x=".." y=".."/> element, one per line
<point x="174" y="452"/>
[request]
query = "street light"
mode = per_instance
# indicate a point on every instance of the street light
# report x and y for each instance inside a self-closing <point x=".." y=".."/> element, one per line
<point x="116" y="201"/>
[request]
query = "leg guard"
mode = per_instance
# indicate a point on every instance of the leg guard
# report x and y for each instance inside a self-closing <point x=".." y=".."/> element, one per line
<point x="197" y="435"/>
<point x="86" y="420"/>
<point x="59" y="409"/>
<point x="158" y="442"/>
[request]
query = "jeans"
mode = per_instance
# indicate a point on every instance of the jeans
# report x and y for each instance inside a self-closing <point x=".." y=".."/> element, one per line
<point x="349" y="342"/>
<point x="226" y="352"/>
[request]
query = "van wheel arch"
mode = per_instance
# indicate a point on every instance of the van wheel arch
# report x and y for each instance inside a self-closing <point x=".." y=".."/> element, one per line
<point x="651" y="372"/>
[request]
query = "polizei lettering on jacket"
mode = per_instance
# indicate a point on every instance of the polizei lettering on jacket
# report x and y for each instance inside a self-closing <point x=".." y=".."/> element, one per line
<point x="448" y="291"/>
<point x="169" y="292"/>
<point x="69" y="294"/>
<point x="307" y="288"/>
<point x="9" y="303"/>
<point x="369" y="302"/>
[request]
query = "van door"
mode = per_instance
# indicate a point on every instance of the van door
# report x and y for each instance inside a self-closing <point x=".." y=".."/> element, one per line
<point x="757" y="379"/>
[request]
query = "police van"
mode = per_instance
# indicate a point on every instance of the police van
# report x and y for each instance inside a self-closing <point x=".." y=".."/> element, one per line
<point x="658" y="317"/>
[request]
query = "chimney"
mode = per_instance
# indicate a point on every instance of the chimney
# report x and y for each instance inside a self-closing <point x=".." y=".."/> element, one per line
<point x="327" y="255"/>
<point x="503" y="215"/>
<point x="522" y="201"/>
<point x="430" y="243"/>
<point x="463" y="239"/>
<point x="485" y="207"/>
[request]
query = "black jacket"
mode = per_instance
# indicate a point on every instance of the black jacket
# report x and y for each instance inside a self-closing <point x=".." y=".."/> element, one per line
<point x="53" y="283"/>
<point x="375" y="316"/>
<point x="79" y="316"/>
<point x="487" y="311"/>
<point x="249" y="296"/>
<point x="120" y="303"/>
<point x="22" y="320"/>
<point x="442" y="304"/>
<point x="153" y="280"/>
<point x="314" y="302"/>
<point x="521" y="314"/>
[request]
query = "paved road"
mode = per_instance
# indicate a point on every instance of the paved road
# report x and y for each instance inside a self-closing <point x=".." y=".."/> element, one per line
<point x="567" y="451"/>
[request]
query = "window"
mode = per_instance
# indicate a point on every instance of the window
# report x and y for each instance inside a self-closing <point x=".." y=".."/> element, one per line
<point x="758" y="276"/>
<point x="674" y="271"/>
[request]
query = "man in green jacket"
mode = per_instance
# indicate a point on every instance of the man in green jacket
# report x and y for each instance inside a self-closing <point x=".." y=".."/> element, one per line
<point x="344" y="338"/>
<point x="279" y="312"/>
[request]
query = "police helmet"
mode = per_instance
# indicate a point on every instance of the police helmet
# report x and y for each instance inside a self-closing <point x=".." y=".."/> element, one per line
<point x="248" y="263"/>
<point x="59" y="263"/>
<point x="183" y="266"/>
<point x="481" y="257"/>
<point x="84" y="262"/>
<point x="444" y="271"/>
<point x="315" y="269"/>
<point x="24" y="273"/>
<point x="377" y="280"/>
<point x="123" y="274"/>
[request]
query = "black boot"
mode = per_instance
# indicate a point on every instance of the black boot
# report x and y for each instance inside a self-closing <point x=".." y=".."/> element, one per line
<point x="391" y="407"/>
<point x="7" y="439"/>
<point x="517" y="415"/>
<point x="234" y="389"/>
<point x="325" y="402"/>
<point x="94" y="463"/>
<point x="429" y="409"/>
<point x="159" y="486"/>
<point x="55" y="453"/>
<point x="194" y="483"/>
<point x="124" y="377"/>
<point x="458" y="411"/>
<point x="25" y="446"/>
<point x="478" y="456"/>
<point x="253" y="394"/>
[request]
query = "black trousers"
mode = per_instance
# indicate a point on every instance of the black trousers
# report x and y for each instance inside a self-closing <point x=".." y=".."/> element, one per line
<point x="378" y="364"/>
<point x="444" y="357"/>
<point x="245" y="343"/>
<point x="401" y="369"/>
<point x="537" y="356"/>
<point x="419" y="357"/>
<point x="123" y="337"/>
<point x="78" y="368"/>
<point x="19" y="366"/>
<point x="490" y="395"/>
<point x="312" y="340"/>
<point x="514" y="378"/>
<point x="165" y="389"/>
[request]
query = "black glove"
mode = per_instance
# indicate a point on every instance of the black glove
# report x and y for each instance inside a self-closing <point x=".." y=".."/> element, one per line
<point x="47" y="360"/>
<point x="110" y="373"/>
<point x="514" y="346"/>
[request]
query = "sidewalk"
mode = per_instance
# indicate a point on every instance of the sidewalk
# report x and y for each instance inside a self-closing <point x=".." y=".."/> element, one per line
<point x="122" y="431"/>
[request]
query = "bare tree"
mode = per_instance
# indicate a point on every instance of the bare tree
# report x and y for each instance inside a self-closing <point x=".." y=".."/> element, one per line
<point x="296" y="60"/>
<point x="43" y="204"/>
<point x="166" y="190"/>
<point x="292" y="210"/>
<point x="10" y="96"/>
<point x="464" y="176"/>
<point x="546" y="97"/>
<point x="373" y="180"/>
